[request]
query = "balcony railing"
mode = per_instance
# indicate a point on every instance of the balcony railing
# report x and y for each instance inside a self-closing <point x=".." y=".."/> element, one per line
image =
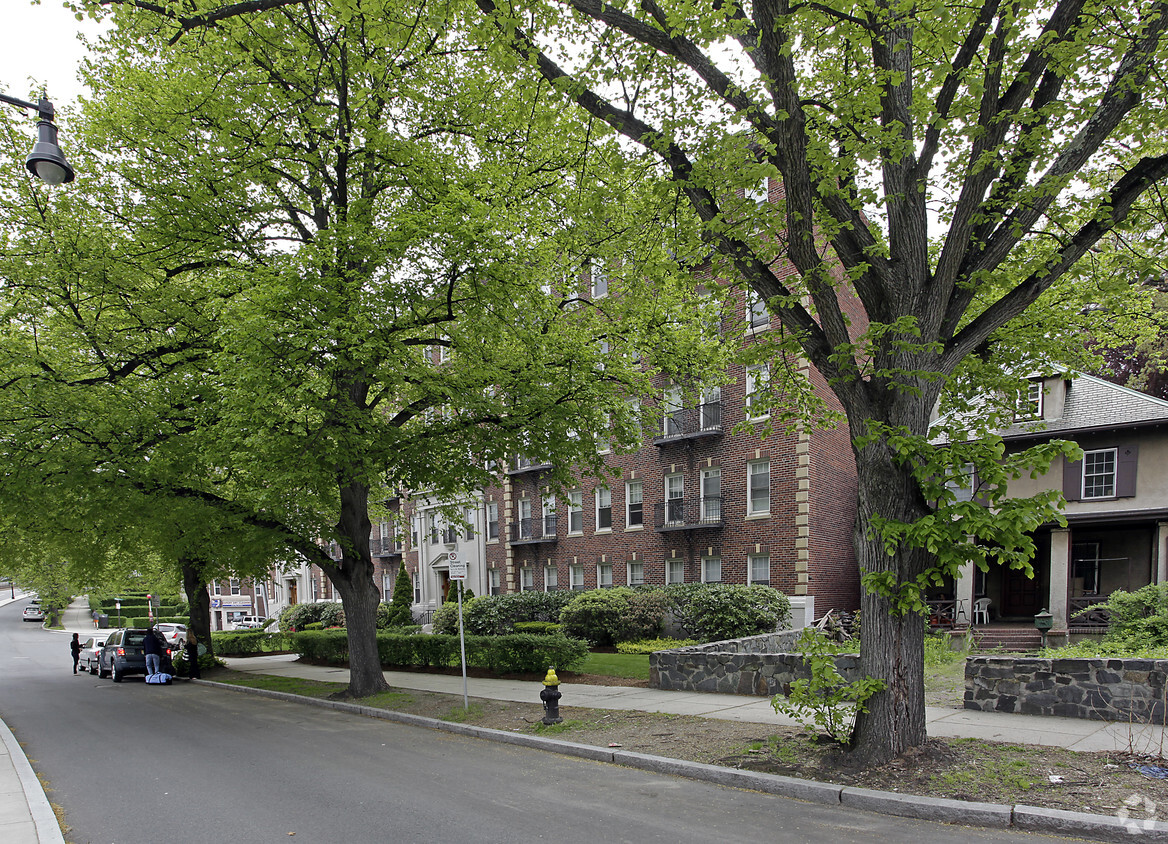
<point x="689" y="423"/>
<point x="531" y="531"/>
<point x="521" y="464"/>
<point x="1081" y="611"/>
<point x="388" y="547"/>
<point x="688" y="513"/>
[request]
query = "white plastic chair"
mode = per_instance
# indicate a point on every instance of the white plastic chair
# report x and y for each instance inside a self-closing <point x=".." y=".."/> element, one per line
<point x="981" y="611"/>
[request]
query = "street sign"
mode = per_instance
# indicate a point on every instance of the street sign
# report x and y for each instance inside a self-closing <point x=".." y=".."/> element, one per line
<point x="457" y="566"/>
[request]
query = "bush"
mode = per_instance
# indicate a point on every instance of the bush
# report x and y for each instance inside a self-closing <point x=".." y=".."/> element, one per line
<point x="508" y="654"/>
<point x="648" y="646"/>
<point x="246" y="642"/>
<point x="540" y="628"/>
<point x="445" y="618"/>
<point x="330" y="646"/>
<point x="299" y="616"/>
<point x="1138" y="619"/>
<point x="713" y="613"/>
<point x="398" y="608"/>
<point x="598" y="616"/>
<point x="332" y="615"/>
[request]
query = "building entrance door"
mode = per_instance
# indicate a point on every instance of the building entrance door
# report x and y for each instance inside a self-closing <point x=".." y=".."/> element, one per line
<point x="292" y="596"/>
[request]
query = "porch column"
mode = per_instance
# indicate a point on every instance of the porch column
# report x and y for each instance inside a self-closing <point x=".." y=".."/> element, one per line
<point x="964" y="591"/>
<point x="1160" y="572"/>
<point x="1060" y="572"/>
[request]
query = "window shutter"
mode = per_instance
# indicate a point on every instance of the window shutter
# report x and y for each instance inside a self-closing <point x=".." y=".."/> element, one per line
<point x="1072" y="480"/>
<point x="1125" y="471"/>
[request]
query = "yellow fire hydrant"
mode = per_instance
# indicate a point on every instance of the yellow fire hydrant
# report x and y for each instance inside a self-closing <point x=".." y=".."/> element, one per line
<point x="551" y="698"/>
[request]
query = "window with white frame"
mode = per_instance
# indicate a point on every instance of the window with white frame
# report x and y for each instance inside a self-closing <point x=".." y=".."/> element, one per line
<point x="604" y="576"/>
<point x="551" y="578"/>
<point x="634" y="504"/>
<point x="674" y="499"/>
<point x="760" y="568"/>
<point x="711" y="569"/>
<point x="599" y="280"/>
<point x="635" y="426"/>
<point x="549" y="515"/>
<point x="711" y="410"/>
<point x="434" y="525"/>
<point x="217" y="589"/>
<point x="636" y="574"/>
<point x="675" y="571"/>
<point x="234" y="584"/>
<point x="526" y="579"/>
<point x="417" y="584"/>
<point x="576" y="511"/>
<point x="1030" y="402"/>
<point x="493" y="581"/>
<point x="576" y="577"/>
<point x="492" y="520"/>
<point x="1099" y="473"/>
<point x="603" y="509"/>
<point x="760" y="315"/>
<point x="962" y="485"/>
<point x="386" y="586"/>
<point x="711" y="495"/>
<point x="672" y="406"/>
<point x="758" y="498"/>
<point x="757" y="379"/>
<point x="523" y="507"/>
<point x="604" y="437"/>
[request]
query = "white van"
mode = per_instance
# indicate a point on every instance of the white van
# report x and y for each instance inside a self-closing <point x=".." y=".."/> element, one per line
<point x="249" y="622"/>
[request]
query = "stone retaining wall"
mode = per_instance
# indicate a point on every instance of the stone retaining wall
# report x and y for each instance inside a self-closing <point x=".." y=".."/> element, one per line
<point x="755" y="665"/>
<point x="1100" y="689"/>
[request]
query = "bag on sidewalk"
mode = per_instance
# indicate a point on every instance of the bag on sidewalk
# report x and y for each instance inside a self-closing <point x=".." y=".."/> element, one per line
<point x="159" y="679"/>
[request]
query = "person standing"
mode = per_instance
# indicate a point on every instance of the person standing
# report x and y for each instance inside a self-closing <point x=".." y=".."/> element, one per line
<point x="192" y="649"/>
<point x="75" y="647"/>
<point x="153" y="649"/>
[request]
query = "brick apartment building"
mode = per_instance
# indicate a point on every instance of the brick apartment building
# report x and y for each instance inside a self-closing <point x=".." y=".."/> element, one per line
<point x="694" y="503"/>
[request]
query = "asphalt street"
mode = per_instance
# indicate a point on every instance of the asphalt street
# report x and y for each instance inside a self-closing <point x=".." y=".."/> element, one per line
<point x="131" y="763"/>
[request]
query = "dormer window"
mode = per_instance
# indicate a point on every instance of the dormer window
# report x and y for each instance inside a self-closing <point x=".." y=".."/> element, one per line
<point x="1030" y="404"/>
<point x="599" y="280"/>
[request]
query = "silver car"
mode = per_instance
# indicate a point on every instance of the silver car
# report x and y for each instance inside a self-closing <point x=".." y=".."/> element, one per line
<point x="91" y="653"/>
<point x="174" y="634"/>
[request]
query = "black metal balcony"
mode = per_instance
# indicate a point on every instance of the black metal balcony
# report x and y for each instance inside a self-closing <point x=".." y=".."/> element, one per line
<point x="532" y="531"/>
<point x="520" y="465"/>
<point x="388" y="547"/>
<point x="688" y="513"/>
<point x="691" y="423"/>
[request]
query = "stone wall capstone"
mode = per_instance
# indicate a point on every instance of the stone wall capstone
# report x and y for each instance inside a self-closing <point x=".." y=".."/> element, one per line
<point x="1101" y="689"/>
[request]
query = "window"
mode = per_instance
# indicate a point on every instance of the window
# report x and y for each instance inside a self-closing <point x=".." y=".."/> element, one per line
<point x="576" y="577"/>
<point x="636" y="574"/>
<point x="493" y="581"/>
<point x="758" y="475"/>
<point x="218" y="590"/>
<point x="576" y="511"/>
<point x="492" y="520"/>
<point x="604" y="576"/>
<point x="674" y="499"/>
<point x="549" y="515"/>
<point x="760" y="316"/>
<point x="711" y="569"/>
<point x="551" y="578"/>
<point x="1030" y="402"/>
<point x="234" y="584"/>
<point x="524" y="507"/>
<point x="433" y="518"/>
<point x="675" y="571"/>
<point x="525" y="579"/>
<point x="711" y="496"/>
<point x="386" y="586"/>
<point x="1099" y="473"/>
<point x="760" y="568"/>
<point x="634" y="504"/>
<point x="674" y="423"/>
<point x="758" y="192"/>
<point x="417" y="588"/>
<point x="468" y="516"/>
<point x="599" y="279"/>
<point x="603" y="509"/>
<point x="962" y="485"/>
<point x="711" y="410"/>
<point x="1084" y="569"/>
<point x="757" y="378"/>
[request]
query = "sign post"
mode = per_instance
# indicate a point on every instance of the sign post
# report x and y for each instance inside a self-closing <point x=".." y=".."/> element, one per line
<point x="458" y="577"/>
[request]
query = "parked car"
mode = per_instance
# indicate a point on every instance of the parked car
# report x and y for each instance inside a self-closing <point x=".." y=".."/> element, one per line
<point x="174" y="634"/>
<point x="249" y="622"/>
<point x="123" y="654"/>
<point x="34" y="614"/>
<point x="91" y="652"/>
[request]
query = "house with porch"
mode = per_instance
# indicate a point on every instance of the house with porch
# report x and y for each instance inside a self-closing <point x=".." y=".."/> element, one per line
<point x="1116" y="509"/>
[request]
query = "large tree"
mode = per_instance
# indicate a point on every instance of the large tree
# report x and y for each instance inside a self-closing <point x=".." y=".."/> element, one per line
<point x="370" y="261"/>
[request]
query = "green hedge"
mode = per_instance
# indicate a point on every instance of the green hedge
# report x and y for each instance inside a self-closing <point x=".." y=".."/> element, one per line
<point x="247" y="642"/>
<point x="511" y="653"/>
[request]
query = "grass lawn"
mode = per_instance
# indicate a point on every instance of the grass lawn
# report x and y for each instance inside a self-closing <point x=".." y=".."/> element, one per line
<point x="634" y="666"/>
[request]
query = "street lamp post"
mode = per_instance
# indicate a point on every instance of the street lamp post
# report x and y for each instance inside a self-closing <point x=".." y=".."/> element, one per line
<point x="46" y="161"/>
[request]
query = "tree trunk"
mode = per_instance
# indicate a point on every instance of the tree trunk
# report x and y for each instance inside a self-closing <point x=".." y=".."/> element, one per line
<point x="891" y="643"/>
<point x="195" y="586"/>
<point x="353" y="577"/>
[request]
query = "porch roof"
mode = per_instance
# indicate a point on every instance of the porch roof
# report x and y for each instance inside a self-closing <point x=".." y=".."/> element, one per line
<point x="1116" y="517"/>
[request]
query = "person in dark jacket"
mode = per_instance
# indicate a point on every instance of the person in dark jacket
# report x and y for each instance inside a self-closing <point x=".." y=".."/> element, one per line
<point x="192" y="649"/>
<point x="153" y="650"/>
<point x="75" y="647"/>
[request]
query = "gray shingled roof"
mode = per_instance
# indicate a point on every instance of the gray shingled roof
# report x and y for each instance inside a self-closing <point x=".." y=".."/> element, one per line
<point x="1095" y="403"/>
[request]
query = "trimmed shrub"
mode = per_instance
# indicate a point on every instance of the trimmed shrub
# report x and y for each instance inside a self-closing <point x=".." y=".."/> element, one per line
<point x="445" y="618"/>
<point x="648" y="646"/>
<point x="713" y="613"/>
<point x="331" y="646"/>
<point x="246" y="642"/>
<point x="598" y="616"/>
<point x="540" y="628"/>
<point x="298" y="616"/>
<point x="332" y="615"/>
<point x="398" y="608"/>
<point x="509" y="654"/>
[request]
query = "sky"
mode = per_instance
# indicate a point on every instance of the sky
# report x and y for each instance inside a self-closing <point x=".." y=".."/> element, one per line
<point x="39" y="42"/>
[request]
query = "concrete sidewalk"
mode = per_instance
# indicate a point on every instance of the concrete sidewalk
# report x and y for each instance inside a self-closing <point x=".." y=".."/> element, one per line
<point x="1071" y="733"/>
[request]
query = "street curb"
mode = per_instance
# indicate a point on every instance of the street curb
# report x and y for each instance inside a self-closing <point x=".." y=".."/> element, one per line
<point x="43" y="816"/>
<point x="937" y="809"/>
